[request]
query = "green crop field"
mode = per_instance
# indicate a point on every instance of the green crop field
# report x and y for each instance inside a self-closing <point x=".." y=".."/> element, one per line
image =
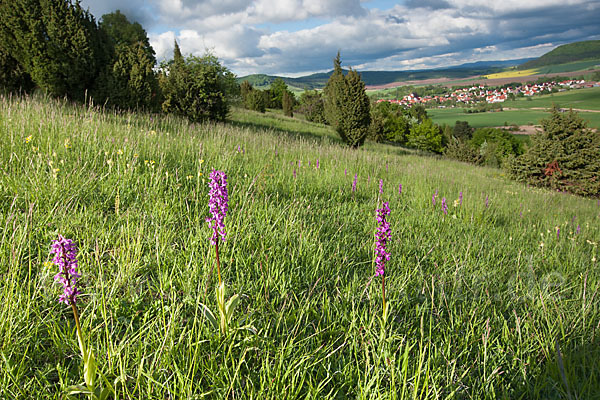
<point x="568" y="67"/>
<point x="498" y="298"/>
<point x="586" y="99"/>
<point x="525" y="112"/>
<point x="479" y="120"/>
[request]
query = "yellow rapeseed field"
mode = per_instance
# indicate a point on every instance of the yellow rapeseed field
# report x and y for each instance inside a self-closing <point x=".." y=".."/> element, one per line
<point x="512" y="74"/>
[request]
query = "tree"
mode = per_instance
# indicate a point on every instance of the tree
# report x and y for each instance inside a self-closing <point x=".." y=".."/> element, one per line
<point x="347" y="107"/>
<point x="462" y="130"/>
<point x="196" y="87"/>
<point x="565" y="156"/>
<point x="128" y="80"/>
<point x="13" y="77"/>
<point x="418" y="112"/>
<point x="121" y="32"/>
<point x="245" y="89"/>
<point x="55" y="42"/>
<point x="277" y="89"/>
<point x="287" y="103"/>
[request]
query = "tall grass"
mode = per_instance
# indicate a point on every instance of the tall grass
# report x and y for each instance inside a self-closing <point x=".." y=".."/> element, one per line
<point x="479" y="308"/>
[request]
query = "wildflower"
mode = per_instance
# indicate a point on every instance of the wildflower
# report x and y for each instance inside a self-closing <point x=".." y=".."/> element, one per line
<point x="28" y="138"/>
<point x="119" y="152"/>
<point x="67" y="143"/>
<point x="294" y="173"/>
<point x="345" y="172"/>
<point x="48" y="265"/>
<point x="578" y="229"/>
<point x="460" y="197"/>
<point x="354" y="183"/>
<point x="381" y="186"/>
<point x="433" y="198"/>
<point x="317" y="163"/>
<point x="65" y="252"/>
<point x="299" y="163"/>
<point x="557" y="233"/>
<point x="189" y="177"/>
<point x="217" y="204"/>
<point x="486" y="201"/>
<point x="444" y="206"/>
<point x="455" y="204"/>
<point x="382" y="235"/>
<point x="400" y="189"/>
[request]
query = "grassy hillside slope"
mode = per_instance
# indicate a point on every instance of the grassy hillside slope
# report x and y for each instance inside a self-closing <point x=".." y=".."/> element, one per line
<point x="496" y="299"/>
<point x="566" y="53"/>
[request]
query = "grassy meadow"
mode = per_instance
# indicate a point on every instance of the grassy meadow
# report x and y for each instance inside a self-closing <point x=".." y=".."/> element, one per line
<point x="498" y="299"/>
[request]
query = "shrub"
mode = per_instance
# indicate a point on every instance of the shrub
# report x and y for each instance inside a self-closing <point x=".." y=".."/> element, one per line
<point x="426" y="136"/>
<point x="196" y="87"/>
<point x="312" y="106"/>
<point x="495" y="145"/>
<point x="565" y="156"/>
<point x="255" y="100"/>
<point x="463" y="151"/>
<point x="391" y="121"/>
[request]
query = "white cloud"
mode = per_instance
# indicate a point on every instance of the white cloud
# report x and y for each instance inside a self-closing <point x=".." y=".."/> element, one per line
<point x="256" y="36"/>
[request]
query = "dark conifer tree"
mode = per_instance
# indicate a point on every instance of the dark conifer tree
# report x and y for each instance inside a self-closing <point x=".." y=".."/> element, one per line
<point x="287" y="102"/>
<point x="56" y="42"/>
<point x="565" y="156"/>
<point x="347" y="106"/>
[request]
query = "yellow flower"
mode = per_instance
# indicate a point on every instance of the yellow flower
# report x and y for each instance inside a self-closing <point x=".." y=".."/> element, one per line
<point x="67" y="143"/>
<point x="28" y="138"/>
<point x="48" y="264"/>
<point x="119" y="152"/>
<point x="189" y="177"/>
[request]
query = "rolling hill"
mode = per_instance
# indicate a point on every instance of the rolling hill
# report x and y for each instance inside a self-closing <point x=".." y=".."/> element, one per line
<point x="566" y="53"/>
<point x="318" y="80"/>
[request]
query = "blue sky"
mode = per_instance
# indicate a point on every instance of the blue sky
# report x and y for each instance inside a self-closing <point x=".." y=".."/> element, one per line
<point x="298" y="37"/>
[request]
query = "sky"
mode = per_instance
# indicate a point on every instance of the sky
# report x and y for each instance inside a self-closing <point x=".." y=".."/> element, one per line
<point x="299" y="37"/>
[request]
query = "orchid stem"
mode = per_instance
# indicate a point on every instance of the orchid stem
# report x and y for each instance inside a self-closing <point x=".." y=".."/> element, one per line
<point x="218" y="262"/>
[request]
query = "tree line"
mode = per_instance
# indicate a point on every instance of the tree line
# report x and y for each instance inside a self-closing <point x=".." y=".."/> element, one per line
<point x="58" y="47"/>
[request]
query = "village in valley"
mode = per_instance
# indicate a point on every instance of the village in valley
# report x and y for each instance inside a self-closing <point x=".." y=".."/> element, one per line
<point x="481" y="93"/>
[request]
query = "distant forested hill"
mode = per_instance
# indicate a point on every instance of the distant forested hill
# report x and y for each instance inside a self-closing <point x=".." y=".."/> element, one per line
<point x="565" y="54"/>
<point x="318" y="80"/>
